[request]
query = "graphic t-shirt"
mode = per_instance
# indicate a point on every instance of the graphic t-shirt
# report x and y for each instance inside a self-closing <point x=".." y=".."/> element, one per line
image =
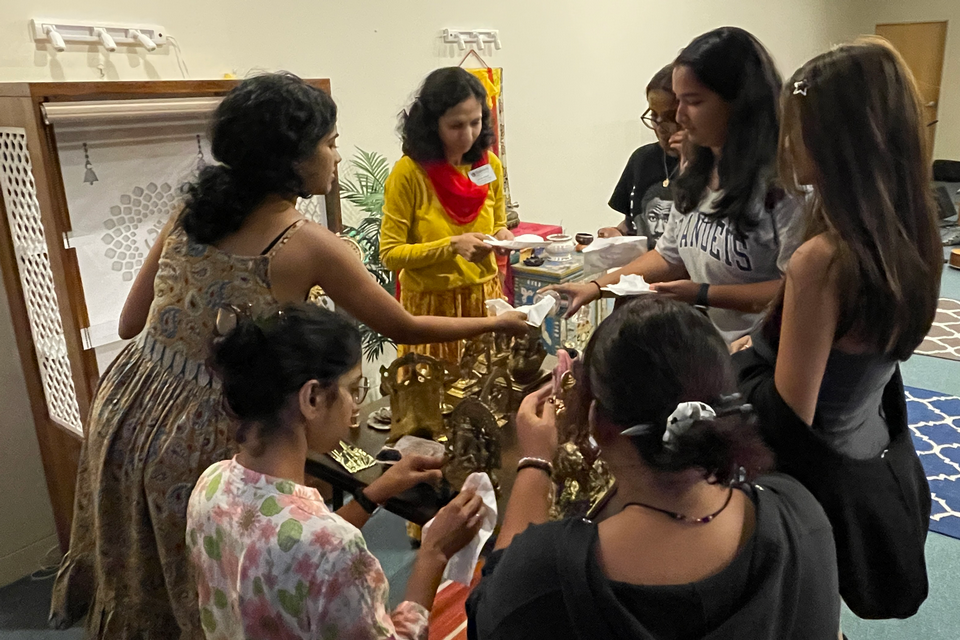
<point x="712" y="253"/>
<point x="640" y="194"/>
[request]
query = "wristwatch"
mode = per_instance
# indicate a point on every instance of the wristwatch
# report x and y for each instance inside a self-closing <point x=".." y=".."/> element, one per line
<point x="703" y="296"/>
<point x="365" y="503"/>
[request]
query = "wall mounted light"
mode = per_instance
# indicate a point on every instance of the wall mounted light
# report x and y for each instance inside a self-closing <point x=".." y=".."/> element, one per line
<point x="108" y="43"/>
<point x="50" y="33"/>
<point x="147" y="43"/>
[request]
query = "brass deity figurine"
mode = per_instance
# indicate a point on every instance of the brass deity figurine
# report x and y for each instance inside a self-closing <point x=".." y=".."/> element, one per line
<point x="581" y="478"/>
<point x="474" y="443"/>
<point x="414" y="383"/>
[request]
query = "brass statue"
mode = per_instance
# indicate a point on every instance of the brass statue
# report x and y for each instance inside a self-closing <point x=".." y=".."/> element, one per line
<point x="581" y="478"/>
<point x="469" y="366"/>
<point x="497" y="394"/>
<point x="474" y="443"/>
<point x="415" y="386"/>
<point x="526" y="356"/>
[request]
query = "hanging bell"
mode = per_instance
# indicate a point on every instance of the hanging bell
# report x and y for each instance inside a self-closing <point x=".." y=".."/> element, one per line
<point x="90" y="176"/>
<point x="201" y="161"/>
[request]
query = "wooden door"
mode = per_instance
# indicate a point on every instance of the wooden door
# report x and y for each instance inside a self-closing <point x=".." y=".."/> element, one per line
<point x="922" y="45"/>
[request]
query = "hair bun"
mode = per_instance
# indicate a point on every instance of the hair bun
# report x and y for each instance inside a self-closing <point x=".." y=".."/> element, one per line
<point x="246" y="362"/>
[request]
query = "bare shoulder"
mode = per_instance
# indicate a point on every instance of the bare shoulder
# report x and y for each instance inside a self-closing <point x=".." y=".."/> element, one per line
<point x="309" y="255"/>
<point x="814" y="260"/>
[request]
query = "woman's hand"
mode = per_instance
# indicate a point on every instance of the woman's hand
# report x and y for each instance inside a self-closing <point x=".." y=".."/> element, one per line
<point x="537" y="425"/>
<point x="411" y="470"/>
<point x="579" y="294"/>
<point x="503" y="234"/>
<point x="471" y="246"/>
<point x="512" y="322"/>
<point x="608" y="232"/>
<point x="455" y="525"/>
<point x="682" y="290"/>
<point x="741" y="343"/>
<point x="678" y="143"/>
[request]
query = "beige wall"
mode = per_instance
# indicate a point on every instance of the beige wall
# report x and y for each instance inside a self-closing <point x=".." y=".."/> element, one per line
<point x="26" y="527"/>
<point x="574" y="70"/>
<point x="869" y="13"/>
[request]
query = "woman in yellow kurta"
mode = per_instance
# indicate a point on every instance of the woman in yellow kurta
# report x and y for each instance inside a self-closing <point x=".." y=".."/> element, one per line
<point x="442" y="199"/>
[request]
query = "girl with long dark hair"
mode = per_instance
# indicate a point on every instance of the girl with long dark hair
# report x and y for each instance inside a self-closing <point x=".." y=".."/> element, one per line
<point x="731" y="230"/>
<point x="860" y="295"/>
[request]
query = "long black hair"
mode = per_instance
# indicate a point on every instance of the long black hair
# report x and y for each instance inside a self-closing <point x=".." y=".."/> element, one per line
<point x="442" y="90"/>
<point x="263" y="361"/>
<point x="652" y="354"/>
<point x="735" y="65"/>
<point x="260" y="132"/>
<point x="857" y="114"/>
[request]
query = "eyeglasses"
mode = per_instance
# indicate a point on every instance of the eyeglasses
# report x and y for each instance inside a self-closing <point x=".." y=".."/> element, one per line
<point x="360" y="393"/>
<point x="667" y="121"/>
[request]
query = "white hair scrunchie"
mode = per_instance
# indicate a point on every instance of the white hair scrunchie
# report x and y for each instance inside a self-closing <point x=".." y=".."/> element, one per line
<point x="678" y="422"/>
<point x="683" y="417"/>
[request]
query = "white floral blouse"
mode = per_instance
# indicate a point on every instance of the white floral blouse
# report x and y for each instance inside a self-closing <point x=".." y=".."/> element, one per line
<point x="271" y="561"/>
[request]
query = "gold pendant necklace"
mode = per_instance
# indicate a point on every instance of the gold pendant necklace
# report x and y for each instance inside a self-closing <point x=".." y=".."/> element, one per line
<point x="666" y="172"/>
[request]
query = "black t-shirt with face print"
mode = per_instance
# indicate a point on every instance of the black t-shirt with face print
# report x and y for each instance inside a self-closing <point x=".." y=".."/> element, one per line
<point x="640" y="194"/>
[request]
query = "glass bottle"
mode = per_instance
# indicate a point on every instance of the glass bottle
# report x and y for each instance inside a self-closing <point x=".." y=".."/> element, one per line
<point x="561" y="302"/>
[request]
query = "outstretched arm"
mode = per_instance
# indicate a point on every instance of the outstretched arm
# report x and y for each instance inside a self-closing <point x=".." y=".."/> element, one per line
<point x="348" y="283"/>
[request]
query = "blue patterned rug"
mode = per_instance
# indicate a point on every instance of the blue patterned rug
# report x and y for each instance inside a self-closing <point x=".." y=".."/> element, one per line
<point x="935" y="422"/>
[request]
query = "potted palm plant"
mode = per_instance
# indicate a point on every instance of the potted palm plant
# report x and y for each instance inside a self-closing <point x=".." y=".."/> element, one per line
<point x="363" y="189"/>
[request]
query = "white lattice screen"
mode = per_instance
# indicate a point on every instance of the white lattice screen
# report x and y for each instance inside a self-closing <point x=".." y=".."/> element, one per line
<point x="36" y="277"/>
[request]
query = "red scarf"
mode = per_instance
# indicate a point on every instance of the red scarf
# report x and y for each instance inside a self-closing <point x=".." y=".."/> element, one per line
<point x="460" y="197"/>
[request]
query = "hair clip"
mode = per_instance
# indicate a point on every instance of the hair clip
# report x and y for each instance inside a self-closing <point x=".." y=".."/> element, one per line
<point x="636" y="430"/>
<point x="800" y="87"/>
<point x="228" y="317"/>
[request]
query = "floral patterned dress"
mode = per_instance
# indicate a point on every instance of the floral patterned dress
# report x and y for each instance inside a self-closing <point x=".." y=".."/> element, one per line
<point x="156" y="423"/>
<point x="272" y="562"/>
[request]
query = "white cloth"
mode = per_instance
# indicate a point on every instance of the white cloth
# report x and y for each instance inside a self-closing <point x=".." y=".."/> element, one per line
<point x="629" y="285"/>
<point x="712" y="253"/>
<point x="525" y="241"/>
<point x="536" y="313"/>
<point x="464" y="562"/>
<point x="615" y="252"/>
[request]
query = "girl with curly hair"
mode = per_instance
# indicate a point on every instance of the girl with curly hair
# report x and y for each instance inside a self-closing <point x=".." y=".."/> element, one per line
<point x="443" y="197"/>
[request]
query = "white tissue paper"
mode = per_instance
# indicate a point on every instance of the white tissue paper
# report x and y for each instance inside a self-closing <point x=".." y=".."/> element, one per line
<point x="536" y="313"/>
<point x="615" y="252"/>
<point x="629" y="285"/>
<point x="464" y="562"/>
<point x="524" y="241"/>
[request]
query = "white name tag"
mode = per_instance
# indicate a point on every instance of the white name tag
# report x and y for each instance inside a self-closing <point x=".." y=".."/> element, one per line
<point x="482" y="175"/>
